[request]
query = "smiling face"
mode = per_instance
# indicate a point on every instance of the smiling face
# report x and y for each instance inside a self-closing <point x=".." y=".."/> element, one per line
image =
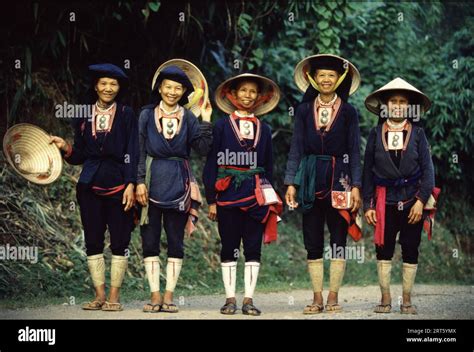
<point x="107" y="89"/>
<point x="171" y="92"/>
<point x="397" y="106"/>
<point x="246" y="94"/>
<point x="326" y="80"/>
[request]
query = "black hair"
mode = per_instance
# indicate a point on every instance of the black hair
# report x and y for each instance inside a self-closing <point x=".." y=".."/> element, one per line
<point x="412" y="98"/>
<point x="326" y="63"/>
<point x="236" y="83"/>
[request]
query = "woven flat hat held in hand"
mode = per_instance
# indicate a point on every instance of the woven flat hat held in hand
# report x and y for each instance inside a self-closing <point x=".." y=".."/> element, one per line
<point x="27" y="150"/>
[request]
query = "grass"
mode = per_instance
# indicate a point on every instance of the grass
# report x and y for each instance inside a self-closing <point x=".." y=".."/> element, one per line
<point x="283" y="269"/>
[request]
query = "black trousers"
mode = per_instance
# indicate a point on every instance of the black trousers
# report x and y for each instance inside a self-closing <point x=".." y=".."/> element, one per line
<point x="174" y="223"/>
<point x="313" y="230"/>
<point x="409" y="239"/>
<point x="236" y="226"/>
<point x="99" y="213"/>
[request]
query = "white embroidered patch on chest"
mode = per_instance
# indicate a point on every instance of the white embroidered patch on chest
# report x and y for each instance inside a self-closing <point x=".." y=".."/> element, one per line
<point x="170" y="126"/>
<point x="395" y="140"/>
<point x="102" y="122"/>
<point x="325" y="115"/>
<point x="246" y="129"/>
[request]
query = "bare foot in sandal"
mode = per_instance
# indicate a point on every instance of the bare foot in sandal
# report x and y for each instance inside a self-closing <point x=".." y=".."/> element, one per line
<point x="112" y="307"/>
<point x="98" y="301"/>
<point x="113" y="303"/>
<point x="248" y="308"/>
<point x="155" y="303"/>
<point x="317" y="306"/>
<point x="407" y="307"/>
<point x="168" y="306"/>
<point x="331" y="304"/>
<point x="385" y="305"/>
<point x="230" y="307"/>
<point x="95" y="304"/>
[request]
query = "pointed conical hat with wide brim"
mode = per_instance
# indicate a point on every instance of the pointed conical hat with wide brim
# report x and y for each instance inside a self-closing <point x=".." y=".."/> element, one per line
<point x="201" y="91"/>
<point x="28" y="151"/>
<point x="301" y="79"/>
<point x="268" y="87"/>
<point x="374" y="100"/>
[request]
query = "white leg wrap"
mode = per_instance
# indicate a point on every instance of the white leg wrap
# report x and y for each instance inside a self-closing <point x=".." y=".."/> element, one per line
<point x="316" y="273"/>
<point x="409" y="274"/>
<point x="336" y="274"/>
<point x="152" y="267"/>
<point x="96" y="264"/>
<point x="118" y="270"/>
<point x="384" y="268"/>
<point x="229" y="277"/>
<point x="250" y="278"/>
<point x="173" y="268"/>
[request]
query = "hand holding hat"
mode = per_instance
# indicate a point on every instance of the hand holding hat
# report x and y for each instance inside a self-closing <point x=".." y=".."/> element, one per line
<point x="59" y="142"/>
<point x="206" y="111"/>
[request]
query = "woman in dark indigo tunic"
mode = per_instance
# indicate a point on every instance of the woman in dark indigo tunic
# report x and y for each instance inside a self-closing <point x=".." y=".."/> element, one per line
<point x="238" y="176"/>
<point x="107" y="146"/>
<point x="324" y="161"/>
<point x="165" y="186"/>
<point x="398" y="182"/>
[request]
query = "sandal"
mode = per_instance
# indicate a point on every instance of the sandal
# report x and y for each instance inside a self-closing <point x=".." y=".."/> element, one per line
<point x="169" y="308"/>
<point x="333" y="308"/>
<point x="250" y="309"/>
<point x="313" y="309"/>
<point x="229" y="308"/>
<point x="408" y="309"/>
<point x="93" y="305"/>
<point x="112" y="307"/>
<point x="383" y="308"/>
<point x="153" y="308"/>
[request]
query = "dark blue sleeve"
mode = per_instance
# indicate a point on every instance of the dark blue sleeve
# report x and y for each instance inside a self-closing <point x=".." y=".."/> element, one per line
<point x="427" y="168"/>
<point x="368" y="187"/>
<point x="353" y="143"/>
<point x="210" y="169"/>
<point x="141" y="169"/>
<point x="77" y="156"/>
<point x="200" y="134"/>
<point x="297" y="146"/>
<point x="269" y="157"/>
<point x="132" y="152"/>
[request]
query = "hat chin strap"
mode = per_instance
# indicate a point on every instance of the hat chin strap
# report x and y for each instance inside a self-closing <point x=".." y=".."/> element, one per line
<point x="264" y="98"/>
<point x="339" y="81"/>
<point x="198" y="93"/>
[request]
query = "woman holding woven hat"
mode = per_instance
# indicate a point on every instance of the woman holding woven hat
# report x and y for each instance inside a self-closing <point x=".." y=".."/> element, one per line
<point x="166" y="188"/>
<point x="238" y="177"/>
<point x="398" y="182"/>
<point x="107" y="145"/>
<point x="323" y="172"/>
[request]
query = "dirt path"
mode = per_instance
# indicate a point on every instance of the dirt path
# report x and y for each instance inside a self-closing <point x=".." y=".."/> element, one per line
<point x="433" y="302"/>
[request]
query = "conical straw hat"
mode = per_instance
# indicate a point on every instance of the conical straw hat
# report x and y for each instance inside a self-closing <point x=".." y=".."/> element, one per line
<point x="269" y="86"/>
<point x="304" y="66"/>
<point x="374" y="100"/>
<point x="27" y="149"/>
